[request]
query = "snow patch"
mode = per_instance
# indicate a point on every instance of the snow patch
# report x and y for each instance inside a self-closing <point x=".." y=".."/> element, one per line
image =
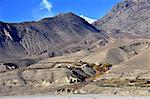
<point x="89" y="20"/>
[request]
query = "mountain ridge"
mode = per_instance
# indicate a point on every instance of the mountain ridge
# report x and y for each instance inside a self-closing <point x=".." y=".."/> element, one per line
<point x="35" y="37"/>
<point x="129" y="16"/>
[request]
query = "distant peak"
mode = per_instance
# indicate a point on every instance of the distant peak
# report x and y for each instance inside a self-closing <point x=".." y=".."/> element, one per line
<point x="61" y="15"/>
<point x="67" y="14"/>
<point x="89" y="20"/>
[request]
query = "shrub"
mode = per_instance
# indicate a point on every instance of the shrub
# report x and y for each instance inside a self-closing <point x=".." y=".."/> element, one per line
<point x="106" y="65"/>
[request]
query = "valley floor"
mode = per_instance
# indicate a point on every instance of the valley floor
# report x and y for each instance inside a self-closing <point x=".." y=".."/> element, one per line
<point x="119" y="68"/>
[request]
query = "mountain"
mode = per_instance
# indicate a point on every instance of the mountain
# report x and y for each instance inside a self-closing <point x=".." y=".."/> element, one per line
<point x="65" y="33"/>
<point x="127" y="16"/>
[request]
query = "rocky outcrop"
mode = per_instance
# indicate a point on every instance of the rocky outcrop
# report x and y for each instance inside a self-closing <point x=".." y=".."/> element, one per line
<point x="65" y="79"/>
<point x="131" y="16"/>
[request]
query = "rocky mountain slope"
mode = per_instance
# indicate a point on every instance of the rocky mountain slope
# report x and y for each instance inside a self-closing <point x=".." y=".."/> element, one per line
<point x="65" y="33"/>
<point x="92" y="63"/>
<point x="131" y="16"/>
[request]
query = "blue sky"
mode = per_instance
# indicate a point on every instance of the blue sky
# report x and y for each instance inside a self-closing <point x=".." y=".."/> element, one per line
<point x="32" y="10"/>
